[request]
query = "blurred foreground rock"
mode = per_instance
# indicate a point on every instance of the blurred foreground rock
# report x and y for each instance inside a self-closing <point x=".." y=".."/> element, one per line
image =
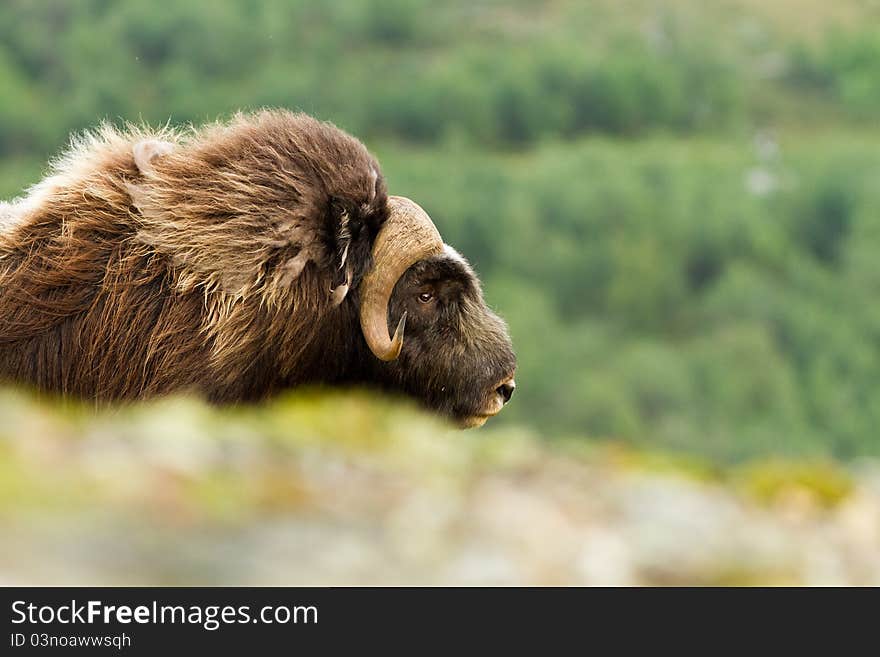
<point x="343" y="489"/>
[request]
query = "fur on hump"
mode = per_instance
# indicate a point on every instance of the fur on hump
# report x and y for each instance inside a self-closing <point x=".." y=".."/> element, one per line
<point x="244" y="206"/>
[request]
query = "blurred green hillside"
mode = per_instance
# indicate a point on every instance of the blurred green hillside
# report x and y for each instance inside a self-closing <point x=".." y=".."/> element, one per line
<point x="675" y="204"/>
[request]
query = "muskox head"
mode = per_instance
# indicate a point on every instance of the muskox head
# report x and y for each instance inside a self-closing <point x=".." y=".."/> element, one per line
<point x="447" y="348"/>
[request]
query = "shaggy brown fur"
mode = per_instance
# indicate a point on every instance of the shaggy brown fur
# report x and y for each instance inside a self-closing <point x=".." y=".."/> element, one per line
<point x="120" y="284"/>
<point x="226" y="261"/>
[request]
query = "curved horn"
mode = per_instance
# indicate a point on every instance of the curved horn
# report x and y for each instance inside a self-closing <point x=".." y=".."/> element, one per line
<point x="407" y="236"/>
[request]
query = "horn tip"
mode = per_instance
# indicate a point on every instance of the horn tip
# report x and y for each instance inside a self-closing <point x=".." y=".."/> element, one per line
<point x="397" y="340"/>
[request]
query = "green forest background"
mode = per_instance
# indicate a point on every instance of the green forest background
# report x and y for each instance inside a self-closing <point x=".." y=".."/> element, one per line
<point x="674" y="204"/>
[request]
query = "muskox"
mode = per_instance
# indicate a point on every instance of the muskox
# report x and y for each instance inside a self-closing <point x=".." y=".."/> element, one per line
<point x="235" y="261"/>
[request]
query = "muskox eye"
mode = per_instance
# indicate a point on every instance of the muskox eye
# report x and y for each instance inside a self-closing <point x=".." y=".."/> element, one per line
<point x="425" y="297"/>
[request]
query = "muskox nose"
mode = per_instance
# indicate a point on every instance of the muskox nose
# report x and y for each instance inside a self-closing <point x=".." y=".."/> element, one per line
<point x="506" y="390"/>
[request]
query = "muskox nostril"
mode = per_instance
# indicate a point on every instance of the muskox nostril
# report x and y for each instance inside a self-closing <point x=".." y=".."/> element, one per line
<point x="506" y="390"/>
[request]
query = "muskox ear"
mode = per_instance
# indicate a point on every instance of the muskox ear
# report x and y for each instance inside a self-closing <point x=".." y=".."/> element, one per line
<point x="338" y="293"/>
<point x="148" y="150"/>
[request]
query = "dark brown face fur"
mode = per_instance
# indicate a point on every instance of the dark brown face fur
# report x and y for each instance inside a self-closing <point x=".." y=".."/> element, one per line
<point x="457" y="352"/>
